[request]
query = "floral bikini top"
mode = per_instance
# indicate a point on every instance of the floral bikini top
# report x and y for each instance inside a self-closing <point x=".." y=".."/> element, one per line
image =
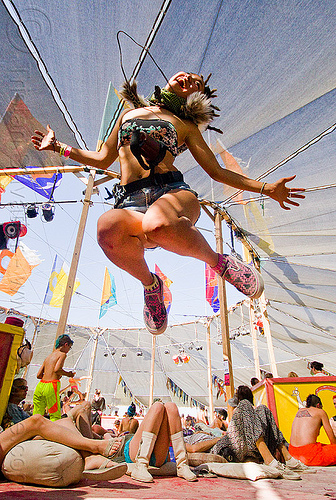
<point x="160" y="130"/>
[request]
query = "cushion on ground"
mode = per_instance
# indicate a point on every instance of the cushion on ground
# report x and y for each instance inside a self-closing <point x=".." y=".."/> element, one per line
<point x="44" y="463"/>
<point x="247" y="470"/>
<point x="195" y="459"/>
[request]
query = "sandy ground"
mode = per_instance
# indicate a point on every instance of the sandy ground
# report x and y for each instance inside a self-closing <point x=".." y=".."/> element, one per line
<point x="320" y="485"/>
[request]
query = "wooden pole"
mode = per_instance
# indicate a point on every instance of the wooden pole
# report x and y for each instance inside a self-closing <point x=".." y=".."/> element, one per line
<point x="151" y="388"/>
<point x="254" y="342"/>
<point x="254" y="337"/>
<point x="210" y="391"/>
<point x="75" y="257"/>
<point x="267" y="330"/>
<point x="92" y="360"/>
<point x="223" y="308"/>
<point x="53" y="170"/>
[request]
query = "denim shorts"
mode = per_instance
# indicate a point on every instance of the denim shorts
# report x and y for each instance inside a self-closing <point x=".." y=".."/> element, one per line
<point x="141" y="199"/>
<point x="152" y="461"/>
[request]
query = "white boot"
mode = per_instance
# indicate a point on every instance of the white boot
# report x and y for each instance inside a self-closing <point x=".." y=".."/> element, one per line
<point x="140" y="469"/>
<point x="181" y="457"/>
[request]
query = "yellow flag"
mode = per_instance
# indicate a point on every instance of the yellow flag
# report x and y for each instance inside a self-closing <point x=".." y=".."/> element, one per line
<point x="58" y="289"/>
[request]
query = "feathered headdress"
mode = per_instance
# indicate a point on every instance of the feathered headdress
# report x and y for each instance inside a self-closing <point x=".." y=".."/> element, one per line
<point x="197" y="107"/>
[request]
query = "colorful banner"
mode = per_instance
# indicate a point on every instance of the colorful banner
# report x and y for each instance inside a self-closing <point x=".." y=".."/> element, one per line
<point x="41" y="183"/>
<point x="167" y="295"/>
<point x="109" y="295"/>
<point x="57" y="284"/>
<point x="219" y="385"/>
<point x="19" y="269"/>
<point x="211" y="288"/>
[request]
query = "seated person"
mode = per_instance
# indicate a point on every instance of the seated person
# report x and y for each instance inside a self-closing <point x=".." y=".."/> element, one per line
<point x="332" y="420"/>
<point x="129" y="423"/>
<point x="220" y="420"/>
<point x="14" y="413"/>
<point x="305" y="430"/>
<point x="253" y="434"/>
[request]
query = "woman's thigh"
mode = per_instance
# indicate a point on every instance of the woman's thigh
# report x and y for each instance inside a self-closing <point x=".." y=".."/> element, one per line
<point x="172" y="205"/>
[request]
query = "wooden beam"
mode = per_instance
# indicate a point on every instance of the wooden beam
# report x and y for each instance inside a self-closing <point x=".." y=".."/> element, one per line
<point x="52" y="170"/>
<point x="223" y="308"/>
<point x="75" y="257"/>
<point x="210" y="391"/>
<point x="151" y="385"/>
<point x="267" y="330"/>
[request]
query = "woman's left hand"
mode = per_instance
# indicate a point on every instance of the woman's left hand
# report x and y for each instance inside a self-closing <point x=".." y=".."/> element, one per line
<point x="283" y="194"/>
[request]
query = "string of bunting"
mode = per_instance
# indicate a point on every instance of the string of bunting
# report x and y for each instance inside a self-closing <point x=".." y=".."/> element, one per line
<point x="126" y="390"/>
<point x="178" y="392"/>
<point x="219" y="386"/>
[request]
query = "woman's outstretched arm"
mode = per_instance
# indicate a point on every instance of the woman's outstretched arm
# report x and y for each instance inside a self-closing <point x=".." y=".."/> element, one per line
<point x="99" y="159"/>
<point x="206" y="159"/>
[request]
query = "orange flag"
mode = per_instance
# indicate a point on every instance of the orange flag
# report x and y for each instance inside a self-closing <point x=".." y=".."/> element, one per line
<point x="19" y="269"/>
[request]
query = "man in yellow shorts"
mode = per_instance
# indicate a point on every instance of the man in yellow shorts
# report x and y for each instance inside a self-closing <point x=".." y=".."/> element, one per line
<point x="46" y="395"/>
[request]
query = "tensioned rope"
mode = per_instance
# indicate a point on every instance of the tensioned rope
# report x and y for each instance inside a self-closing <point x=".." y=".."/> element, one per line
<point x="290" y="157"/>
<point x="145" y="50"/>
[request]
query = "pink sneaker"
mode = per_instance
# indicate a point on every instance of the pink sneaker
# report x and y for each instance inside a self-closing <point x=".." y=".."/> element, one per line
<point x="155" y="314"/>
<point x="242" y="276"/>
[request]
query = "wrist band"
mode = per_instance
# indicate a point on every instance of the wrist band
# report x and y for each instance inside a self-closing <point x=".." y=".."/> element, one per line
<point x="65" y="150"/>
<point x="262" y="187"/>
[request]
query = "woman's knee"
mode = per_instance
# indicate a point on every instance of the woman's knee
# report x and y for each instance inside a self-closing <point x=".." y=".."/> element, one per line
<point x="109" y="228"/>
<point x="157" y="409"/>
<point x="172" y="409"/>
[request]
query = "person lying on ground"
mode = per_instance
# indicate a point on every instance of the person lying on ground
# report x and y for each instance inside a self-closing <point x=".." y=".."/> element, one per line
<point x="94" y="451"/>
<point x="150" y="443"/>
<point x="305" y="430"/>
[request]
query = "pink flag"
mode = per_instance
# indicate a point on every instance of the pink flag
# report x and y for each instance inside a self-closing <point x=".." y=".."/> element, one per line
<point x="166" y="284"/>
<point x="211" y="288"/>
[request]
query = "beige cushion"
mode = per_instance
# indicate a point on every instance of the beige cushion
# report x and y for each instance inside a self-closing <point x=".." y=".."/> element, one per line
<point x="248" y="470"/>
<point x="195" y="459"/>
<point x="43" y="462"/>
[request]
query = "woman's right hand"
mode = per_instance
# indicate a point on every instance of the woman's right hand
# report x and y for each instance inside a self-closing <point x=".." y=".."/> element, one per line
<point x="44" y="142"/>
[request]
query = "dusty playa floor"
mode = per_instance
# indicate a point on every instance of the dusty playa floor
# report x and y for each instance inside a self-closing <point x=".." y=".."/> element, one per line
<point x="316" y="486"/>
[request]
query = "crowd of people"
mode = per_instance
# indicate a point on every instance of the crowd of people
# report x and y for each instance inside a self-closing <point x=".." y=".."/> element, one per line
<point x="162" y="434"/>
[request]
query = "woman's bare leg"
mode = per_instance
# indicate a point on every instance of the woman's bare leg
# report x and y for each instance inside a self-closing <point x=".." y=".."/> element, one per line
<point x="121" y="237"/>
<point x="40" y="426"/>
<point x="285" y="453"/>
<point x="264" y="451"/>
<point x="169" y="223"/>
<point x="151" y="423"/>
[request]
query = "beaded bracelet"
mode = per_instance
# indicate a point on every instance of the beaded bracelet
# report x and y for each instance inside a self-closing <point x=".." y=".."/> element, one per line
<point x="262" y="188"/>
